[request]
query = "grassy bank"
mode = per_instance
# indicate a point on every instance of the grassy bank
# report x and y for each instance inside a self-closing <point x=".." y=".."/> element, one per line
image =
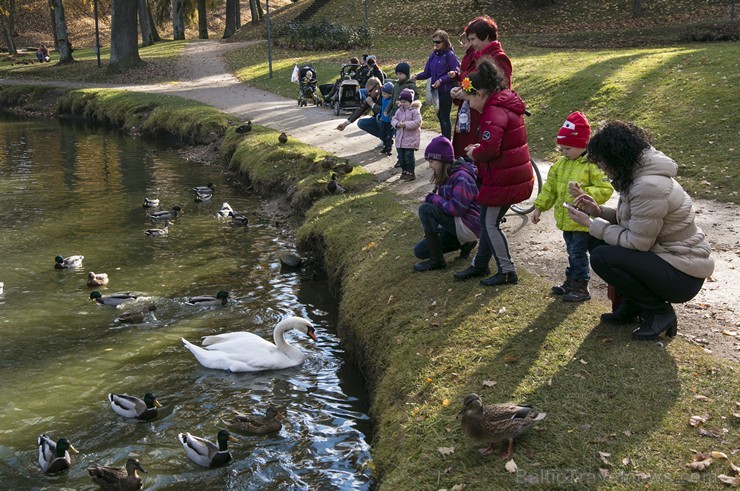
<point x="684" y="95"/>
<point x="618" y="411"/>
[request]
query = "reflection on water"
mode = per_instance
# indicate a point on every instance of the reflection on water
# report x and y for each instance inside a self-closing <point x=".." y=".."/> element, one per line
<point x="71" y="191"/>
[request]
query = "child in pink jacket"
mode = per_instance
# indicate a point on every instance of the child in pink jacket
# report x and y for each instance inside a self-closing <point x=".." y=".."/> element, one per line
<point x="407" y="122"/>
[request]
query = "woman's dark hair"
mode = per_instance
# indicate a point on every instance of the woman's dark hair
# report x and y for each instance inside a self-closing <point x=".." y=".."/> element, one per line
<point x="618" y="145"/>
<point x="483" y="27"/>
<point x="354" y="61"/>
<point x="488" y="77"/>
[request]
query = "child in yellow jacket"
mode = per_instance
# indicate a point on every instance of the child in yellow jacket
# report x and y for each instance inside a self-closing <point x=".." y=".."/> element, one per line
<point x="570" y="176"/>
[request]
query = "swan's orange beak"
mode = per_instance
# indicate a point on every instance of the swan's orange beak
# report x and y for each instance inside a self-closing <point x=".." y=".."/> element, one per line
<point x="312" y="333"/>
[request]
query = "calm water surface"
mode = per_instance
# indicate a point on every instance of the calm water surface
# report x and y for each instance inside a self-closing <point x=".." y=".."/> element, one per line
<point x="69" y="190"/>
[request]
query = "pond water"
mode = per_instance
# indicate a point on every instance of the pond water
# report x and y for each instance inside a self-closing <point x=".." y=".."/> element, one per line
<point x="70" y="190"/>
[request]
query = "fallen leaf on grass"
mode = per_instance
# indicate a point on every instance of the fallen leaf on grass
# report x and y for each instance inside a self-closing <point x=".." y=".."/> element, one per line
<point x="737" y="415"/>
<point x="626" y="461"/>
<point x="446" y="402"/>
<point x="511" y="358"/>
<point x="718" y="455"/>
<point x="489" y="383"/>
<point x="732" y="481"/>
<point x="584" y="427"/>
<point x="390" y="299"/>
<point x="511" y="466"/>
<point x="712" y="432"/>
<point x="627" y="433"/>
<point x="370" y="245"/>
<point x="604" y="456"/>
<point x="604" y="473"/>
<point x="458" y="487"/>
<point x="446" y="450"/>
<point x="642" y="476"/>
<point x="606" y="340"/>
<point x="583" y="362"/>
<point x="702" y="398"/>
<point x="697" y="420"/>
<point x="699" y="465"/>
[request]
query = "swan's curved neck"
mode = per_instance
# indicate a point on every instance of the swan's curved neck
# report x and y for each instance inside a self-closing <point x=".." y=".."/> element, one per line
<point x="279" y="336"/>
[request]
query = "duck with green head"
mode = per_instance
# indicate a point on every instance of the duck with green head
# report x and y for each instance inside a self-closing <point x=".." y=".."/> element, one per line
<point x="166" y="214"/>
<point x="114" y="298"/>
<point x="62" y="262"/>
<point x="221" y="298"/>
<point x="205" y="453"/>
<point x="54" y="457"/>
<point x="134" y="408"/>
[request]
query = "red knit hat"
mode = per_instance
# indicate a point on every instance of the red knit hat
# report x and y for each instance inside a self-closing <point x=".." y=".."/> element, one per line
<point x="575" y="132"/>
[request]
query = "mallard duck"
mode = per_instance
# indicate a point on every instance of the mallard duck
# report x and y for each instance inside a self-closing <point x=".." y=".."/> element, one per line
<point x="114" y="298"/>
<point x="54" y="457"/>
<point x="150" y="203"/>
<point x="333" y="187"/>
<point x="159" y="232"/>
<point x="200" y="197"/>
<point x="166" y="214"/>
<point x="244" y="128"/>
<point x="134" y="408"/>
<point x="136" y="316"/>
<point x="205" y="453"/>
<point x="207" y="189"/>
<point x="239" y="220"/>
<point x="259" y="425"/>
<point x="283" y="138"/>
<point x="247" y="352"/>
<point x="328" y="163"/>
<point x="225" y="211"/>
<point x="344" y="168"/>
<point x="118" y="478"/>
<point x="495" y="423"/>
<point x="62" y="262"/>
<point x="97" y="279"/>
<point x="221" y="298"/>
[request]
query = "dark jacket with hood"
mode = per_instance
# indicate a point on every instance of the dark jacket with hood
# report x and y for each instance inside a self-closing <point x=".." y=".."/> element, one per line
<point x="457" y="196"/>
<point x="439" y="63"/>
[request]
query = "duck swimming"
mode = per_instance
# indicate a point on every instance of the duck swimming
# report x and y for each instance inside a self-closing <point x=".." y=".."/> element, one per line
<point x="221" y="298"/>
<point x="239" y="220"/>
<point x="97" y="279"/>
<point x="166" y="214"/>
<point x="114" y="298"/>
<point x="247" y="352"/>
<point x="207" y="189"/>
<point x="134" y="408"/>
<point x="225" y="211"/>
<point x="205" y="453"/>
<point x="150" y="203"/>
<point x="136" y="316"/>
<point x="54" y="457"/>
<point x="159" y="232"/>
<point x="259" y="425"/>
<point x="118" y="478"/>
<point x="62" y="262"/>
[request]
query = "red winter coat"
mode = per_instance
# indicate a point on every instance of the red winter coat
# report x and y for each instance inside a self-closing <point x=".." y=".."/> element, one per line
<point x="503" y="156"/>
<point x="467" y="66"/>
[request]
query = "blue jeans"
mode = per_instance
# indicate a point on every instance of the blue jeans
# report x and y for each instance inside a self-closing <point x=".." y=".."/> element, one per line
<point x="434" y="220"/>
<point x="406" y="157"/>
<point x="371" y="124"/>
<point x="577" y="246"/>
<point x="445" y="106"/>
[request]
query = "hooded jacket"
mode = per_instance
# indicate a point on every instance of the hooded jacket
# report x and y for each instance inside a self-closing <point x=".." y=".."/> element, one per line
<point x="457" y="196"/>
<point x="410" y="135"/>
<point x="495" y="51"/>
<point x="503" y="155"/>
<point x="655" y="214"/>
<point x="439" y="63"/>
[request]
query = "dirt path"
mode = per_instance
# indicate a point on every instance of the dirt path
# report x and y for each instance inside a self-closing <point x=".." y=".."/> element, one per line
<point x="710" y="320"/>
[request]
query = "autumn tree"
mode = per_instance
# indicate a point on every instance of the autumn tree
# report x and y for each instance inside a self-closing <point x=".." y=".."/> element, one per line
<point x="178" y="19"/>
<point x="255" y="7"/>
<point x="5" y="26"/>
<point x="124" y="41"/>
<point x="231" y="13"/>
<point x="144" y="25"/>
<point x="59" y="24"/>
<point x="202" y="20"/>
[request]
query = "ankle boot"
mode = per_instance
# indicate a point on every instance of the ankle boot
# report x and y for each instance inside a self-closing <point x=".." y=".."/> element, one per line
<point x="471" y="272"/>
<point x="466" y="249"/>
<point x="625" y="313"/>
<point x="578" y="292"/>
<point x="653" y="324"/>
<point x="564" y="288"/>
<point x="501" y="279"/>
<point x="436" y="257"/>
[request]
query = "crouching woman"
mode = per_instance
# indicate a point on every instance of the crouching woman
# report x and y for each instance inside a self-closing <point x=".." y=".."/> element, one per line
<point x="449" y="215"/>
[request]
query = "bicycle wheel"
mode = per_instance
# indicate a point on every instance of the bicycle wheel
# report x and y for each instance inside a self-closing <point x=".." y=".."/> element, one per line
<point x="527" y="206"/>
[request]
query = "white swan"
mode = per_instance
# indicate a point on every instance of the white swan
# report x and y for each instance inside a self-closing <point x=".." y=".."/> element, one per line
<point x="247" y="352"/>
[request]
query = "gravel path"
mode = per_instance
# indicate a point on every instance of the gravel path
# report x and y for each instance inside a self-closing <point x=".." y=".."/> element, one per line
<point x="709" y="321"/>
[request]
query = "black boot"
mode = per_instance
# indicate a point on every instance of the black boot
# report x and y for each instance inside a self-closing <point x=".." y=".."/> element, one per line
<point x="653" y="324"/>
<point x="471" y="272"/>
<point x="565" y="287"/>
<point x="436" y="258"/>
<point x="501" y="279"/>
<point x="625" y="313"/>
<point x="466" y="249"/>
<point x="578" y="291"/>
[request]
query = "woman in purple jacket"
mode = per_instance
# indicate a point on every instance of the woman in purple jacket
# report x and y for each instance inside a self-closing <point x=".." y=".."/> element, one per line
<point x="441" y="61"/>
<point x="449" y="215"/>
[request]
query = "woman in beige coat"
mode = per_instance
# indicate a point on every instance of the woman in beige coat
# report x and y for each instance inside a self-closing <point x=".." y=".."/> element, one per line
<point x="649" y="247"/>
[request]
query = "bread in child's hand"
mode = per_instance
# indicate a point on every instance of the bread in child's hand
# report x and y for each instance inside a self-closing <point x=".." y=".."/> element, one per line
<point x="575" y="189"/>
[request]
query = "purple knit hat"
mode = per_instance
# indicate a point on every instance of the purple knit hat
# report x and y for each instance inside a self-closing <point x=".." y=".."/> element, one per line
<point x="440" y="148"/>
<point x="407" y="95"/>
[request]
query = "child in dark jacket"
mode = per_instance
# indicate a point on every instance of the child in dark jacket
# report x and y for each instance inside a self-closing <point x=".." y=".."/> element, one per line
<point x="449" y="215"/>
<point x="386" y="130"/>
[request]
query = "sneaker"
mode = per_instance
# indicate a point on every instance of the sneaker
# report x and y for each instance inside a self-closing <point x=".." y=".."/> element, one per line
<point x="408" y="176"/>
<point x="386" y="151"/>
<point x="501" y="279"/>
<point x="398" y="165"/>
<point x="471" y="272"/>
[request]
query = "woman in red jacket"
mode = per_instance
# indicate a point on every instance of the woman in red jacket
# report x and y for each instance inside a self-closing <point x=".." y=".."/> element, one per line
<point x="504" y="167"/>
<point x="482" y="41"/>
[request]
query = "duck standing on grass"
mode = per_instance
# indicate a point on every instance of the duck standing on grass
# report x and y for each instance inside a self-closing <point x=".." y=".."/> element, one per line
<point x="54" y="457"/>
<point x="205" y="453"/>
<point x="495" y="423"/>
<point x="118" y="478"/>
<point x="256" y="424"/>
<point x="134" y="408"/>
<point x="68" y="262"/>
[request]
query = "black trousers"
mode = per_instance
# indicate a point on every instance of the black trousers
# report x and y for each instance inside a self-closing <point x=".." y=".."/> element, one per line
<point x="643" y="277"/>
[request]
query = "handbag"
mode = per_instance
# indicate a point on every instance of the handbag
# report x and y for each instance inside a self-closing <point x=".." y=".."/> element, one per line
<point x="432" y="96"/>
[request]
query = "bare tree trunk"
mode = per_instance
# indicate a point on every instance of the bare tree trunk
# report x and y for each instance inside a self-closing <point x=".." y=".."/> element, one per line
<point x="230" y="19"/>
<point x="11" y="19"/>
<point x="63" y="46"/>
<point x="178" y="19"/>
<point x="7" y="34"/>
<point x="238" y="7"/>
<point x="253" y="11"/>
<point x="636" y="8"/>
<point x="152" y="25"/>
<point x="202" y="20"/>
<point x="146" y="30"/>
<point x="53" y="22"/>
<point x="260" y="12"/>
<point x="124" y="41"/>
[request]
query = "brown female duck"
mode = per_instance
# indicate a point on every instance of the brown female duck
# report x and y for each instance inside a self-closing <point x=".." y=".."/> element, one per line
<point x="259" y="425"/>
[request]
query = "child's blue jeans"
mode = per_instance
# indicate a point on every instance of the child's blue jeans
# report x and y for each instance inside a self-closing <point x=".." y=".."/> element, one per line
<point x="406" y="157"/>
<point x="577" y="246"/>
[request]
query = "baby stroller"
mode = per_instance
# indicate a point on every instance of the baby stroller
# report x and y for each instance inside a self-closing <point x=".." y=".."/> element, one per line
<point x="307" y="83"/>
<point x="347" y="95"/>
